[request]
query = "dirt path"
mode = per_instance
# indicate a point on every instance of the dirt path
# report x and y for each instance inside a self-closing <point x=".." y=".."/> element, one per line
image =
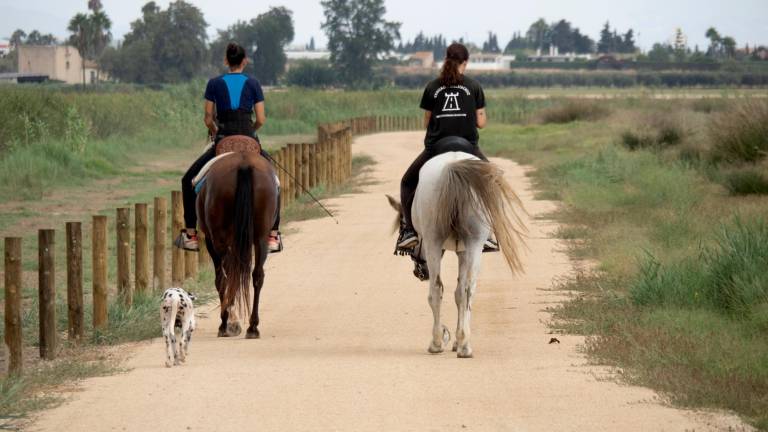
<point x="345" y="328"/>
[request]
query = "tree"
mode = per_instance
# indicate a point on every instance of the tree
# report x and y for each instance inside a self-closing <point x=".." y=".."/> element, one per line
<point x="357" y="35"/>
<point x="90" y="33"/>
<point x="628" y="42"/>
<point x="492" y="44"/>
<point x="729" y="46"/>
<point x="80" y="29"/>
<point x="274" y="30"/>
<point x="714" y="42"/>
<point x="561" y="36"/>
<point x="17" y="38"/>
<point x="311" y="44"/>
<point x="163" y="46"/>
<point x="538" y="34"/>
<point x="605" y="44"/>
<point x="660" y="53"/>
<point x="37" y="38"/>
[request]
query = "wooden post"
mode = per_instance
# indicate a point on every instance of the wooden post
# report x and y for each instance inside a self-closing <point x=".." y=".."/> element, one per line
<point x="312" y="151"/>
<point x="177" y="254"/>
<point x="291" y="184"/>
<point x="190" y="264"/>
<point x="202" y="256"/>
<point x="321" y="177"/>
<point x="160" y="234"/>
<point x="141" y="235"/>
<point x="75" y="318"/>
<point x="99" y="254"/>
<point x="47" y="292"/>
<point x="13" y="273"/>
<point x="349" y="156"/>
<point x="296" y="152"/>
<point x="123" y="228"/>
<point x="305" y="170"/>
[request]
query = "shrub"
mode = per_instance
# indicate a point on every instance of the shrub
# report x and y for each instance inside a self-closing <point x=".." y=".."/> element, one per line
<point x="655" y="131"/>
<point x="311" y="73"/>
<point x="728" y="277"/>
<point x="746" y="181"/>
<point x="740" y="134"/>
<point x="574" y="110"/>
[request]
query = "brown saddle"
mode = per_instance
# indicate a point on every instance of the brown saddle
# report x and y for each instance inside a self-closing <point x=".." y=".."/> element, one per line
<point x="238" y="144"/>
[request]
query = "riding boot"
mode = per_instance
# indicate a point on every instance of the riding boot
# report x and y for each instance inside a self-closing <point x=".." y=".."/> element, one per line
<point x="407" y="240"/>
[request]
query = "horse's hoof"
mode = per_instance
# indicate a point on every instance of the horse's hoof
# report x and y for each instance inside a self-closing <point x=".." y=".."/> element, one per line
<point x="222" y="333"/>
<point x="455" y="347"/>
<point x="435" y="350"/>
<point x="234" y="329"/>
<point x="464" y="353"/>
<point x="252" y="334"/>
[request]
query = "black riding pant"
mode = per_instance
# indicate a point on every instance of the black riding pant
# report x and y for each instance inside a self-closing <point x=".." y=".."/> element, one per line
<point x="411" y="178"/>
<point x="189" y="197"/>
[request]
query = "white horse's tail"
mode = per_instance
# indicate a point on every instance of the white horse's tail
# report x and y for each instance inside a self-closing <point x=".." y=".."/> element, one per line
<point x="475" y="188"/>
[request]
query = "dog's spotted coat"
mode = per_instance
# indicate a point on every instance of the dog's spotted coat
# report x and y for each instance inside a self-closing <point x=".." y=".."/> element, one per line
<point x="177" y="310"/>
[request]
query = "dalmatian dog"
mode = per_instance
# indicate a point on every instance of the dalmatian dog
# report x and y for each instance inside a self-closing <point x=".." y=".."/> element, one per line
<point x="177" y="310"/>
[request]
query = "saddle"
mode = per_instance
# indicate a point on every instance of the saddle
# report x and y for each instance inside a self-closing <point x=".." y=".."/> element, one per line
<point x="237" y="144"/>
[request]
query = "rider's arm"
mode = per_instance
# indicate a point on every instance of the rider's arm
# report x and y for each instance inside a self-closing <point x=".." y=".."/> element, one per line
<point x="261" y="117"/>
<point x="209" y="119"/>
<point x="427" y="117"/>
<point x="481" y="118"/>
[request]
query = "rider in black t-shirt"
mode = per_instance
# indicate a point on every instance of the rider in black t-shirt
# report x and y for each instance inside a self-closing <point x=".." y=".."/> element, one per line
<point x="454" y="107"/>
<point x="230" y="102"/>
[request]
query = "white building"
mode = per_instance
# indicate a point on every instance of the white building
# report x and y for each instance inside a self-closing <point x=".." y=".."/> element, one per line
<point x="59" y="62"/>
<point x="293" y="55"/>
<point x="488" y="62"/>
<point x="555" y="56"/>
<point x="5" y="47"/>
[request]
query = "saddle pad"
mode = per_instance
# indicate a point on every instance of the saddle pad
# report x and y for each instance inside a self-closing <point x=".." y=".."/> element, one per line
<point x="199" y="179"/>
<point x="238" y="143"/>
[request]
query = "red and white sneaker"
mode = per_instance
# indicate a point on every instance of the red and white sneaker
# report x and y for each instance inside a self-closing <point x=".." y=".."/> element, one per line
<point x="275" y="242"/>
<point x="187" y="242"/>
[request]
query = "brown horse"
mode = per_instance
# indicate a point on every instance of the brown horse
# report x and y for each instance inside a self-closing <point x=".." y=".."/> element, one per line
<point x="236" y="208"/>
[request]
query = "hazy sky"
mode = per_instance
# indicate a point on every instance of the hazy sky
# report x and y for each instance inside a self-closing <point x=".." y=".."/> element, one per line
<point x="653" y="20"/>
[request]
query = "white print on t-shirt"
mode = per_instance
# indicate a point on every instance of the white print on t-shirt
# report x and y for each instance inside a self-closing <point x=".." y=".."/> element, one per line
<point x="450" y="115"/>
<point x="451" y="102"/>
<point x="460" y="87"/>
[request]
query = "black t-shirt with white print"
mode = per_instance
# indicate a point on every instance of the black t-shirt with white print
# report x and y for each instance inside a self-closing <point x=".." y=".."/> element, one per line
<point x="454" y="110"/>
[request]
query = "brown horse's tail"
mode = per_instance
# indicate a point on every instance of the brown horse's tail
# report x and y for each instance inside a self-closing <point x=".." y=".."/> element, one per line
<point x="237" y="264"/>
<point x="476" y="189"/>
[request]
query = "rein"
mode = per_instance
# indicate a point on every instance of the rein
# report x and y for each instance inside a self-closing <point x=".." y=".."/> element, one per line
<point x="271" y="159"/>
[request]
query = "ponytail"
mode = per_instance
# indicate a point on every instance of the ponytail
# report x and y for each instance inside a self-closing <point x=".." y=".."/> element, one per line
<point x="455" y="55"/>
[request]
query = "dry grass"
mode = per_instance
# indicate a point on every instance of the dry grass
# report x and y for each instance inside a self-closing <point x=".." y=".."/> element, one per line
<point x="574" y="110"/>
<point x="741" y="133"/>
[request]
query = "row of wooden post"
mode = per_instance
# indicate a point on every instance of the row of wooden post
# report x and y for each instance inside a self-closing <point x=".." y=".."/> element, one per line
<point x="183" y="265"/>
<point x="326" y="163"/>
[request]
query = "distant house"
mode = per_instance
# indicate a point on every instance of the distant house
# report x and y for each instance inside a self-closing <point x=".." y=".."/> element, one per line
<point x="761" y="53"/>
<point x="554" y="56"/>
<point x="294" y="55"/>
<point x="420" y="59"/>
<point x="59" y="63"/>
<point x="5" y="47"/>
<point x="488" y="62"/>
<point x="608" y="62"/>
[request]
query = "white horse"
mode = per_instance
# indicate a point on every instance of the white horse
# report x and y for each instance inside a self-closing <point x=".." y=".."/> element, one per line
<point x="459" y="201"/>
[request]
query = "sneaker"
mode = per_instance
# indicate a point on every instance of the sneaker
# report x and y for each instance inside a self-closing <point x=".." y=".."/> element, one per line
<point x="490" y="245"/>
<point x="187" y="242"/>
<point x="407" y="239"/>
<point x="275" y="243"/>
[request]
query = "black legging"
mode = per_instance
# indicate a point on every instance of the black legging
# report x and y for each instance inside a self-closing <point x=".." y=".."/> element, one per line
<point x="411" y="178"/>
<point x="189" y="197"/>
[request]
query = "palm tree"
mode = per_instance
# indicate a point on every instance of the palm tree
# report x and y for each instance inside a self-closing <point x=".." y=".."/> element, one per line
<point x="80" y="38"/>
<point x="715" y="40"/>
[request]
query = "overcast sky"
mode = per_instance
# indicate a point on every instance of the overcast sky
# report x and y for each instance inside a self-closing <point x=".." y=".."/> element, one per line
<point x="652" y="20"/>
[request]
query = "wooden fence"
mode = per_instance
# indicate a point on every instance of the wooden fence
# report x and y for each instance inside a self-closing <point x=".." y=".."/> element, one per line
<point x="326" y="163"/>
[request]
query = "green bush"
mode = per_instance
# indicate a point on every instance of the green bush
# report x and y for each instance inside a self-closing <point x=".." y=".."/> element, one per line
<point x="746" y="181"/>
<point x="574" y="110"/>
<point x="729" y="277"/>
<point x="311" y="73"/>
<point x="655" y="131"/>
<point x="740" y="134"/>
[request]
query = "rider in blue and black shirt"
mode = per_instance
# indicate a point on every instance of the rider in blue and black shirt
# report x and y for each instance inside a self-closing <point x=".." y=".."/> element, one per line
<point x="230" y="102"/>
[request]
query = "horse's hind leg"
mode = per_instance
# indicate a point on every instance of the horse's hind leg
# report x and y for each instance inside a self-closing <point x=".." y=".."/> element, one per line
<point x="469" y="264"/>
<point x="433" y="256"/>
<point x="258" y="282"/>
<point x="219" y="284"/>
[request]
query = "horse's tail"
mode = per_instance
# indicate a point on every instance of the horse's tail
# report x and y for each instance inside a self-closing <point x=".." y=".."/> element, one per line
<point x="475" y="188"/>
<point x="237" y="264"/>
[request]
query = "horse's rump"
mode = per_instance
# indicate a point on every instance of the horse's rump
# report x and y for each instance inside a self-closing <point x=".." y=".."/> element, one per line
<point x="465" y="192"/>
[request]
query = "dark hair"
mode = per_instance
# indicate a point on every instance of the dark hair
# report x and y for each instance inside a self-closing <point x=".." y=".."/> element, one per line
<point x="235" y="54"/>
<point x="455" y="55"/>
